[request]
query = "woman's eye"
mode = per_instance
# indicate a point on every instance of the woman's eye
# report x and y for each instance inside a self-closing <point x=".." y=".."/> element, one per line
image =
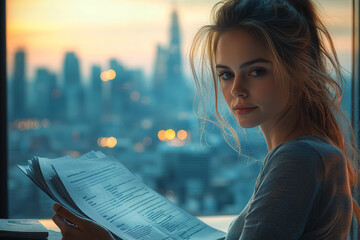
<point x="225" y="75"/>
<point x="259" y="72"/>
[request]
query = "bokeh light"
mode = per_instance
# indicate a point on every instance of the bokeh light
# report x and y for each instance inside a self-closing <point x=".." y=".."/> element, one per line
<point x="182" y="134"/>
<point x="170" y="134"/>
<point x="135" y="96"/>
<point x="139" y="147"/>
<point x="111" y="142"/>
<point x="107" y="75"/>
<point x="147" y="141"/>
<point x="162" y="135"/>
<point x="103" y="142"/>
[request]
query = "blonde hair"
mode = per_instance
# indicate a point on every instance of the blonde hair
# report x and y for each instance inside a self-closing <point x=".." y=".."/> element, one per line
<point x="299" y="43"/>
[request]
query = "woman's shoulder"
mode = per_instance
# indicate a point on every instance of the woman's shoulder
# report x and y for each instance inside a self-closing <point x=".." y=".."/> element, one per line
<point x="312" y="151"/>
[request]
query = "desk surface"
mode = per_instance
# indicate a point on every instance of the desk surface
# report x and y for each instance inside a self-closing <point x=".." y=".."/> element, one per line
<point x="218" y="222"/>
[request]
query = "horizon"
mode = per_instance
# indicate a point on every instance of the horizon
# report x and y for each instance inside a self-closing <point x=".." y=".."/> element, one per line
<point x="47" y="30"/>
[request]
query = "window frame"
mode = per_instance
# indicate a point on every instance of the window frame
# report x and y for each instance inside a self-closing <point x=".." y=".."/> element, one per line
<point x="355" y="96"/>
<point x="3" y="120"/>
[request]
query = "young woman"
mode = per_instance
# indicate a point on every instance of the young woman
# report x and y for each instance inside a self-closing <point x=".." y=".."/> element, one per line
<point x="270" y="60"/>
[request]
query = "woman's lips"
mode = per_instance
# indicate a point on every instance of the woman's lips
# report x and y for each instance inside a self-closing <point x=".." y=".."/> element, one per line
<point x="244" y="109"/>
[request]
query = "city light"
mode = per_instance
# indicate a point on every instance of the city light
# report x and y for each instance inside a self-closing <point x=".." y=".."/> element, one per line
<point x="146" y="123"/>
<point x="182" y="134"/>
<point x="135" y="96"/>
<point x="31" y="124"/>
<point x="162" y="135"/>
<point x="172" y="138"/>
<point x="170" y="134"/>
<point x="147" y="141"/>
<point x="111" y="142"/>
<point x="103" y="142"/>
<point x="107" y="142"/>
<point x="139" y="147"/>
<point x="145" y="100"/>
<point x="108" y="75"/>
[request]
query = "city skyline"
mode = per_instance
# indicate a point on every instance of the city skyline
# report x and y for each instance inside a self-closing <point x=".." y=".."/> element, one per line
<point x="96" y="31"/>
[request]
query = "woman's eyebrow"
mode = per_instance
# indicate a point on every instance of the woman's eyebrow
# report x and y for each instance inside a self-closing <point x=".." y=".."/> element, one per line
<point x="246" y="64"/>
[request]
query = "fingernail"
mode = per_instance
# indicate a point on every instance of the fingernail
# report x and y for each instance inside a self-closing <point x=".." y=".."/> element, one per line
<point x="57" y="206"/>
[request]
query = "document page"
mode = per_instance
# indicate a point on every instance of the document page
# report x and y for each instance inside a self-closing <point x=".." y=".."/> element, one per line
<point x="112" y="196"/>
<point x="55" y="185"/>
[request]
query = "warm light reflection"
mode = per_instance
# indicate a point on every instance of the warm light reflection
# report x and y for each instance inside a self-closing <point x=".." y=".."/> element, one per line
<point x="182" y="134"/>
<point x="162" y="135"/>
<point x="176" y="142"/>
<point x="99" y="141"/>
<point x="30" y="124"/>
<point x="107" y="75"/>
<point x="170" y="134"/>
<point x="111" y="142"/>
<point x="107" y="142"/>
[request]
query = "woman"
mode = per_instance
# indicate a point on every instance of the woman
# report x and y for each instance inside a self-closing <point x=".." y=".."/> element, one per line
<point x="270" y="60"/>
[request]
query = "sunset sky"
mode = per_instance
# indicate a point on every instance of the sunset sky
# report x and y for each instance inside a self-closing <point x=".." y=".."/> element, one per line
<point x="127" y="30"/>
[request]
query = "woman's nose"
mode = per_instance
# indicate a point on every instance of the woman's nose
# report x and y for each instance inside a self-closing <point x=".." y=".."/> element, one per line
<point x="239" y="89"/>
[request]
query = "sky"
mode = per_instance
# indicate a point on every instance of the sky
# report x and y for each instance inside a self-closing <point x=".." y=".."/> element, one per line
<point x="127" y="30"/>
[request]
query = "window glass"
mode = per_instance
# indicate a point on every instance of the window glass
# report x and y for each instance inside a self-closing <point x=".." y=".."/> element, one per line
<point x="113" y="76"/>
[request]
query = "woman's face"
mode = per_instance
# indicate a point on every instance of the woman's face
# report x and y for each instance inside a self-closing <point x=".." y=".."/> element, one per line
<point x="247" y="81"/>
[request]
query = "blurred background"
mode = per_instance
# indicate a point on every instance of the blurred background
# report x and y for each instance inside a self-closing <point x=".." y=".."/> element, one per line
<point x="113" y="76"/>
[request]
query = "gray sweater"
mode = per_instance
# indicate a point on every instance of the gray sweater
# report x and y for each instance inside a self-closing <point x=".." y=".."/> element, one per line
<point x="302" y="192"/>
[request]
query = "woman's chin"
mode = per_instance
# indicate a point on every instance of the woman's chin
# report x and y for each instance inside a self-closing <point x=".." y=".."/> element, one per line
<point x="247" y="124"/>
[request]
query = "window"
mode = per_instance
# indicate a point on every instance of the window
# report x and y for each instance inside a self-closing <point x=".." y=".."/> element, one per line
<point x="113" y="76"/>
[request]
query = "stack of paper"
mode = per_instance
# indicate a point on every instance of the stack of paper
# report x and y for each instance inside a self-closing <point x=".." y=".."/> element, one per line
<point x="101" y="188"/>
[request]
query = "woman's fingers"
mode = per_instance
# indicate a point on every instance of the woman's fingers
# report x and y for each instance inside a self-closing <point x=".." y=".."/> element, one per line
<point x="67" y="231"/>
<point x="58" y="221"/>
<point x="82" y="230"/>
<point x="66" y="214"/>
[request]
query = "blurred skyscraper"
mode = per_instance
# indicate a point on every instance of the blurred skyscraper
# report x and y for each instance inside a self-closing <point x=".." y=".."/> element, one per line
<point x="19" y="85"/>
<point x="169" y="83"/>
<point x="45" y="83"/>
<point x="72" y="88"/>
<point x="94" y="98"/>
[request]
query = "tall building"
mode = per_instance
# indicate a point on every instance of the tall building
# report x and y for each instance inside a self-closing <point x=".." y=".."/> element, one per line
<point x="19" y="85"/>
<point x="95" y="101"/>
<point x="45" y="83"/>
<point x="174" y="60"/>
<point x="169" y="83"/>
<point x="160" y="72"/>
<point x="72" y="88"/>
<point x="119" y="91"/>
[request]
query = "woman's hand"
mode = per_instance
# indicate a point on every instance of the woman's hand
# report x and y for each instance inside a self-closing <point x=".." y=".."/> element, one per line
<point x="84" y="229"/>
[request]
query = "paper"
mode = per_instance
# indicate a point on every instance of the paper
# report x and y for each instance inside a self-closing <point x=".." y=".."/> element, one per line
<point x="112" y="196"/>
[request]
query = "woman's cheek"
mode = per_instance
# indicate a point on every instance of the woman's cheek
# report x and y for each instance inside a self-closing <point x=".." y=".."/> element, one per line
<point x="226" y="91"/>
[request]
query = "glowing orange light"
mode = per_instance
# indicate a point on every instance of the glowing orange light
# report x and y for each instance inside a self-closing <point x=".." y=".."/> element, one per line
<point x="107" y="75"/>
<point x="99" y="141"/>
<point x="103" y="142"/>
<point x="111" y="142"/>
<point x="103" y="76"/>
<point x="162" y="135"/>
<point x="170" y="134"/>
<point x="182" y="134"/>
<point x="111" y="74"/>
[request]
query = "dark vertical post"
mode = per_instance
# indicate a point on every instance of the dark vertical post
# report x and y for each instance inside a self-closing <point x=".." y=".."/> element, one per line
<point x="3" y="115"/>
<point x="355" y="98"/>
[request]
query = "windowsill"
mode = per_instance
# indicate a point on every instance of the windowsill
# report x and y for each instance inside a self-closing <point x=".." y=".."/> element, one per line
<point x="218" y="222"/>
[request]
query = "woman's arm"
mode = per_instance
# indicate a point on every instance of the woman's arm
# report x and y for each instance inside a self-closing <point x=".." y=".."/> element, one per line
<point x="285" y="195"/>
<point x="80" y="228"/>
